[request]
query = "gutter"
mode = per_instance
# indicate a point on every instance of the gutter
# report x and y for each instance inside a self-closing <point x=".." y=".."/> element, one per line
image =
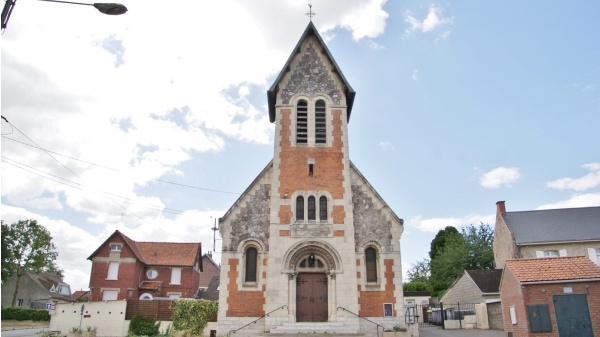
<point x="561" y="281"/>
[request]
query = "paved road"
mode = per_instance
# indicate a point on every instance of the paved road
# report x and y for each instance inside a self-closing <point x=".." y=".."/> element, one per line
<point x="436" y="332"/>
<point x="22" y="332"/>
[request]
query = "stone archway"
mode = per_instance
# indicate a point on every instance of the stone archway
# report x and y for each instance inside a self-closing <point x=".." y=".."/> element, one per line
<point x="312" y="267"/>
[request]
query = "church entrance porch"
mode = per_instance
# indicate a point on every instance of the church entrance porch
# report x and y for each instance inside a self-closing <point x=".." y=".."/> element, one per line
<point x="311" y="297"/>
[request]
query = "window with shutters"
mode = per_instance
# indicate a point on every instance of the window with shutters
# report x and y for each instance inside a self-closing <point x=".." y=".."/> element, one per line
<point x="371" y="264"/>
<point x="176" y="275"/>
<point x="320" y="122"/>
<point x="302" y="122"/>
<point x="113" y="271"/>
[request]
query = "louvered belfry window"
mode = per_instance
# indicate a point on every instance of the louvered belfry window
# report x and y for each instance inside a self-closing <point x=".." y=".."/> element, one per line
<point x="320" y="123"/>
<point x="302" y="122"/>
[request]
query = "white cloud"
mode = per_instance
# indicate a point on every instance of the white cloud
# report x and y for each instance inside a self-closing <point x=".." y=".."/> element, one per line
<point x="415" y="74"/>
<point x="386" y="146"/>
<point x="580" y="200"/>
<point x="590" y="180"/>
<point x="498" y="177"/>
<point x="366" y="20"/>
<point x="434" y="225"/>
<point x="433" y="21"/>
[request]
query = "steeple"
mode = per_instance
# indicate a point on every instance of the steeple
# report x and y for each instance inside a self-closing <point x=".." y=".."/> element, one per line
<point x="314" y="75"/>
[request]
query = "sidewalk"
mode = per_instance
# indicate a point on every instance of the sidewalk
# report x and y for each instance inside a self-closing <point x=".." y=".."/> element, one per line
<point x="438" y="332"/>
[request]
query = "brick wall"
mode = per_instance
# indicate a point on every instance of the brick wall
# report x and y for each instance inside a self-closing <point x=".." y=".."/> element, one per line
<point x="242" y="303"/>
<point x="513" y="294"/>
<point x="328" y="174"/>
<point x="127" y="278"/>
<point x="371" y="302"/>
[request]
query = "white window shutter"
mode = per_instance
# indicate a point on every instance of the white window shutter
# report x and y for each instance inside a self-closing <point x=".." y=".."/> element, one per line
<point x="113" y="271"/>
<point x="592" y="255"/>
<point x="539" y="254"/>
<point x="176" y="275"/>
<point x="562" y="252"/>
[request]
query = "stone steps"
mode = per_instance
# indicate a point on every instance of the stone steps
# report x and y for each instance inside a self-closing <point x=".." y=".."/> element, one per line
<point x="295" y="329"/>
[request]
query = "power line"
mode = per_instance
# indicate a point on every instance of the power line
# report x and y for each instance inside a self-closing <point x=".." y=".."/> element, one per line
<point x="82" y="187"/>
<point x="113" y="169"/>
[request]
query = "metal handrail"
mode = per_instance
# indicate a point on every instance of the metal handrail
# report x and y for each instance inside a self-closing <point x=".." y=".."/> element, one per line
<point x="256" y="320"/>
<point x="366" y="319"/>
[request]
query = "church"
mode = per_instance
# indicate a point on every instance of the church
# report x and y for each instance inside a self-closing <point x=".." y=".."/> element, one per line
<point x="310" y="246"/>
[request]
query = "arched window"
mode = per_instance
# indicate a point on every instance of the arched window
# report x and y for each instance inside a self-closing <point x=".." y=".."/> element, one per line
<point x="300" y="208"/>
<point x="320" y="123"/>
<point x="302" y="122"/>
<point x="323" y="208"/>
<point x="312" y="208"/>
<point x="371" y="264"/>
<point x="251" y="257"/>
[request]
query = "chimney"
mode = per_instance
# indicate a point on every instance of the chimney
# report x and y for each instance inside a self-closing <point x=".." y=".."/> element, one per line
<point x="500" y="208"/>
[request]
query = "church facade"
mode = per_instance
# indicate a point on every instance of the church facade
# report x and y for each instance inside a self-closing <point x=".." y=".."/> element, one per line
<point x="310" y="240"/>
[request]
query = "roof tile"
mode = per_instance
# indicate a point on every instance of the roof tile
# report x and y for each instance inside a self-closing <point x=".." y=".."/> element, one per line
<point x="554" y="269"/>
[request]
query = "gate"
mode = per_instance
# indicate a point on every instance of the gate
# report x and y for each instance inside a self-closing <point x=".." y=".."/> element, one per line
<point x="311" y="297"/>
<point x="572" y="316"/>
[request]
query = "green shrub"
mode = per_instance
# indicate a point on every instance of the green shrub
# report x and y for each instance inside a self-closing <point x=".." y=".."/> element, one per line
<point x="191" y="316"/>
<point x="25" y="314"/>
<point x="143" y="326"/>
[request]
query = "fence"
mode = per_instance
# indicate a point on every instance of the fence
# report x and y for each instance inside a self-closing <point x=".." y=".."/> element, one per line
<point x="442" y="314"/>
<point x="158" y="310"/>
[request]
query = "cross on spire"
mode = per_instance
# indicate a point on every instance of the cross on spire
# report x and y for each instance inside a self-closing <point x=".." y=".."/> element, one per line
<point x="310" y="12"/>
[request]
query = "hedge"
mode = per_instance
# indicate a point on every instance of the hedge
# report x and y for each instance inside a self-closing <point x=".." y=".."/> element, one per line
<point x="24" y="314"/>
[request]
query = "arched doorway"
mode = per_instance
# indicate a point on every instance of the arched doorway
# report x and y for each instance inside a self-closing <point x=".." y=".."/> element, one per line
<point x="312" y="266"/>
<point x="311" y="290"/>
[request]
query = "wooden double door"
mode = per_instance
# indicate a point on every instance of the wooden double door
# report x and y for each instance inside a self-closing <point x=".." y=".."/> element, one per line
<point x="311" y="297"/>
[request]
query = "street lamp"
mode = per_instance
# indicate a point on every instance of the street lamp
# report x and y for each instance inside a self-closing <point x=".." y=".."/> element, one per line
<point x="106" y="8"/>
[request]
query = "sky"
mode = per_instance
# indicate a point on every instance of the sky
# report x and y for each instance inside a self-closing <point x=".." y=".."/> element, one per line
<point x="154" y="122"/>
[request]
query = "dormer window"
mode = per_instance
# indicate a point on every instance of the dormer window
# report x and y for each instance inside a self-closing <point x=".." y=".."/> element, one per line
<point x="115" y="247"/>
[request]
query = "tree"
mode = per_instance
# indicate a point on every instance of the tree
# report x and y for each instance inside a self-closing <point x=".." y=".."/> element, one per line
<point x="7" y="265"/>
<point x="419" y="271"/>
<point x="439" y="242"/>
<point x="472" y="248"/>
<point x="30" y="248"/>
<point x="416" y="286"/>
<point x="449" y="263"/>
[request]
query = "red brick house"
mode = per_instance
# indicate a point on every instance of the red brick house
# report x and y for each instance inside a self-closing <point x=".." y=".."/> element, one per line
<point x="551" y="297"/>
<point x="126" y="269"/>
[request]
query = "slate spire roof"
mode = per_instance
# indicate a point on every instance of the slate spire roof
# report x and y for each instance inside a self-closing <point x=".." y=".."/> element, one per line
<point x="554" y="269"/>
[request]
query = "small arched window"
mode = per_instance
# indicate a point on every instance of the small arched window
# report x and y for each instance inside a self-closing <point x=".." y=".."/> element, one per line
<point x="251" y="259"/>
<point x="302" y="122"/>
<point x="323" y="208"/>
<point x="300" y="208"/>
<point x="320" y="122"/>
<point x="371" y="264"/>
<point x="312" y="208"/>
